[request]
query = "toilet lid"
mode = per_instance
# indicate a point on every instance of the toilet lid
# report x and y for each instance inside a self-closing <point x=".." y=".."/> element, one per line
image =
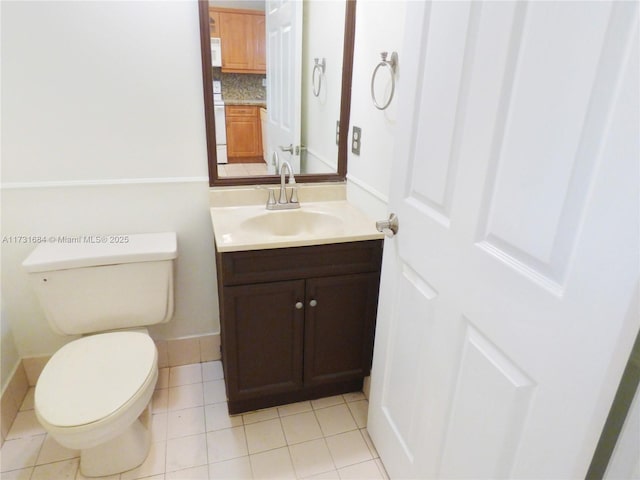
<point x="91" y="378"/>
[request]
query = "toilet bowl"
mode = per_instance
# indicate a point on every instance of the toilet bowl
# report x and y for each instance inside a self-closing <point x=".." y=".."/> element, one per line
<point x="93" y="396"/>
<point x="94" y="393"/>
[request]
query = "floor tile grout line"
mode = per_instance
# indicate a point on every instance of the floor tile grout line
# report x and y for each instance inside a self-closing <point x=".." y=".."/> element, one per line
<point x="35" y="461"/>
<point x="360" y="463"/>
<point x="246" y="445"/>
<point x="333" y="461"/>
<point x="204" y="419"/>
<point x="166" y="431"/>
<point x="373" y="455"/>
<point x="290" y="457"/>
<point x="253" y="473"/>
<point x="381" y="469"/>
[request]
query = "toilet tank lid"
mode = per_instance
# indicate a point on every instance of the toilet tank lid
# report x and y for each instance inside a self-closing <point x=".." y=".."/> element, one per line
<point x="96" y="250"/>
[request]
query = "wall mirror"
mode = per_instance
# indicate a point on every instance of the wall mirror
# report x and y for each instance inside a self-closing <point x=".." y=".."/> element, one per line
<point x="277" y="78"/>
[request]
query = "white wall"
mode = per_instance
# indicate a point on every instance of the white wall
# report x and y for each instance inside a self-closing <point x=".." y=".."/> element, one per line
<point x="9" y="357"/>
<point x="379" y="27"/>
<point x="243" y="4"/>
<point x="319" y="114"/>
<point x="103" y="132"/>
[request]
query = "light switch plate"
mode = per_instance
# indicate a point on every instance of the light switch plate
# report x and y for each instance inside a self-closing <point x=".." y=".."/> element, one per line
<point x="356" y="139"/>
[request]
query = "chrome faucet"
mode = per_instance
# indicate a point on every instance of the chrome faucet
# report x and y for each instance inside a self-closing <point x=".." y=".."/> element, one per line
<point x="283" y="203"/>
<point x="292" y="181"/>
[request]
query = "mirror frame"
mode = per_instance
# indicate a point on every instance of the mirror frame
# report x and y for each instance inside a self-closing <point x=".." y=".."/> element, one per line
<point x="345" y="107"/>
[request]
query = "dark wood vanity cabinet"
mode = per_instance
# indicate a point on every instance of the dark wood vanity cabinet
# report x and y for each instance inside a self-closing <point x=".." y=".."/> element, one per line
<point x="339" y="329"/>
<point x="262" y="340"/>
<point x="297" y="323"/>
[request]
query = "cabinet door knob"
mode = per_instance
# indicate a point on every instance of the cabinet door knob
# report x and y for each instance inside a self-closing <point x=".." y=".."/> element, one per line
<point x="299" y="305"/>
<point x="313" y="303"/>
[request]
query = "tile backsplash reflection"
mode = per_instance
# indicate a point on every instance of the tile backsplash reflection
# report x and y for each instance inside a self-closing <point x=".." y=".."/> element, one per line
<point x="241" y="86"/>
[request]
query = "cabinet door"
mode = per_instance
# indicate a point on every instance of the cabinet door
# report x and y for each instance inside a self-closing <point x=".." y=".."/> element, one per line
<point x="262" y="336"/>
<point x="259" y="60"/>
<point x="339" y="327"/>
<point x="214" y="23"/>
<point x="235" y="35"/>
<point x="243" y="131"/>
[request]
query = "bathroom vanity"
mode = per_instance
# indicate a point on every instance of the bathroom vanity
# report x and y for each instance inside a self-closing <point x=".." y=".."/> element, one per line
<point x="298" y="295"/>
<point x="297" y="323"/>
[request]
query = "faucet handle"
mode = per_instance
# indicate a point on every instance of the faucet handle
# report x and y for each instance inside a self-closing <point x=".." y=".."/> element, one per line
<point x="294" y="195"/>
<point x="272" y="198"/>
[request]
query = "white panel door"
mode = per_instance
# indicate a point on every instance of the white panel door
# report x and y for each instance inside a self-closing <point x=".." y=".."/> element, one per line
<point x="506" y="314"/>
<point x="284" y="79"/>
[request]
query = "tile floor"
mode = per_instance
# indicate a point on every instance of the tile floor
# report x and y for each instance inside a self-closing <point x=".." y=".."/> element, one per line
<point x="195" y="438"/>
<point x="242" y="169"/>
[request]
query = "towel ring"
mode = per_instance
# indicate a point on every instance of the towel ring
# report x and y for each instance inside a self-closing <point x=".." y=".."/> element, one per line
<point x="391" y="64"/>
<point x="319" y="67"/>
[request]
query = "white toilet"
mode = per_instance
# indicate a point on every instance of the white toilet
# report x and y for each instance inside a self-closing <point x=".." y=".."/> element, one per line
<point x="94" y="393"/>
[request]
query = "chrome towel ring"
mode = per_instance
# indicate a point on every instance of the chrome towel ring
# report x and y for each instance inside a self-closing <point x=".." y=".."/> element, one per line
<point x="318" y="67"/>
<point x="391" y="64"/>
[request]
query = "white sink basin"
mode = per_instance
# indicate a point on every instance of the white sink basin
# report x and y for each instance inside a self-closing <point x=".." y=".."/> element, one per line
<point x="252" y="227"/>
<point x="283" y="223"/>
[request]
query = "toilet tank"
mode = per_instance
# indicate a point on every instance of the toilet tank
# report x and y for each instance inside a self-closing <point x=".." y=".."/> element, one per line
<point x="94" y="284"/>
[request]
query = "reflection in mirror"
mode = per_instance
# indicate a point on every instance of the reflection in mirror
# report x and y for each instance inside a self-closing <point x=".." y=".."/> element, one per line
<point x="321" y="85"/>
<point x="276" y="84"/>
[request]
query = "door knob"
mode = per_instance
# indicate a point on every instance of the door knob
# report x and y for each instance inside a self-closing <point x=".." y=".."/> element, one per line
<point x="287" y="149"/>
<point x="388" y="227"/>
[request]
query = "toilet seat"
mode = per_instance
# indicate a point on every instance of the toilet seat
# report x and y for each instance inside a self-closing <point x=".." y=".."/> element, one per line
<point x="93" y="378"/>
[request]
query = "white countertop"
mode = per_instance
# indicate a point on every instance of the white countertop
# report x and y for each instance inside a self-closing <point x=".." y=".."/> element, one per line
<point x="235" y="226"/>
